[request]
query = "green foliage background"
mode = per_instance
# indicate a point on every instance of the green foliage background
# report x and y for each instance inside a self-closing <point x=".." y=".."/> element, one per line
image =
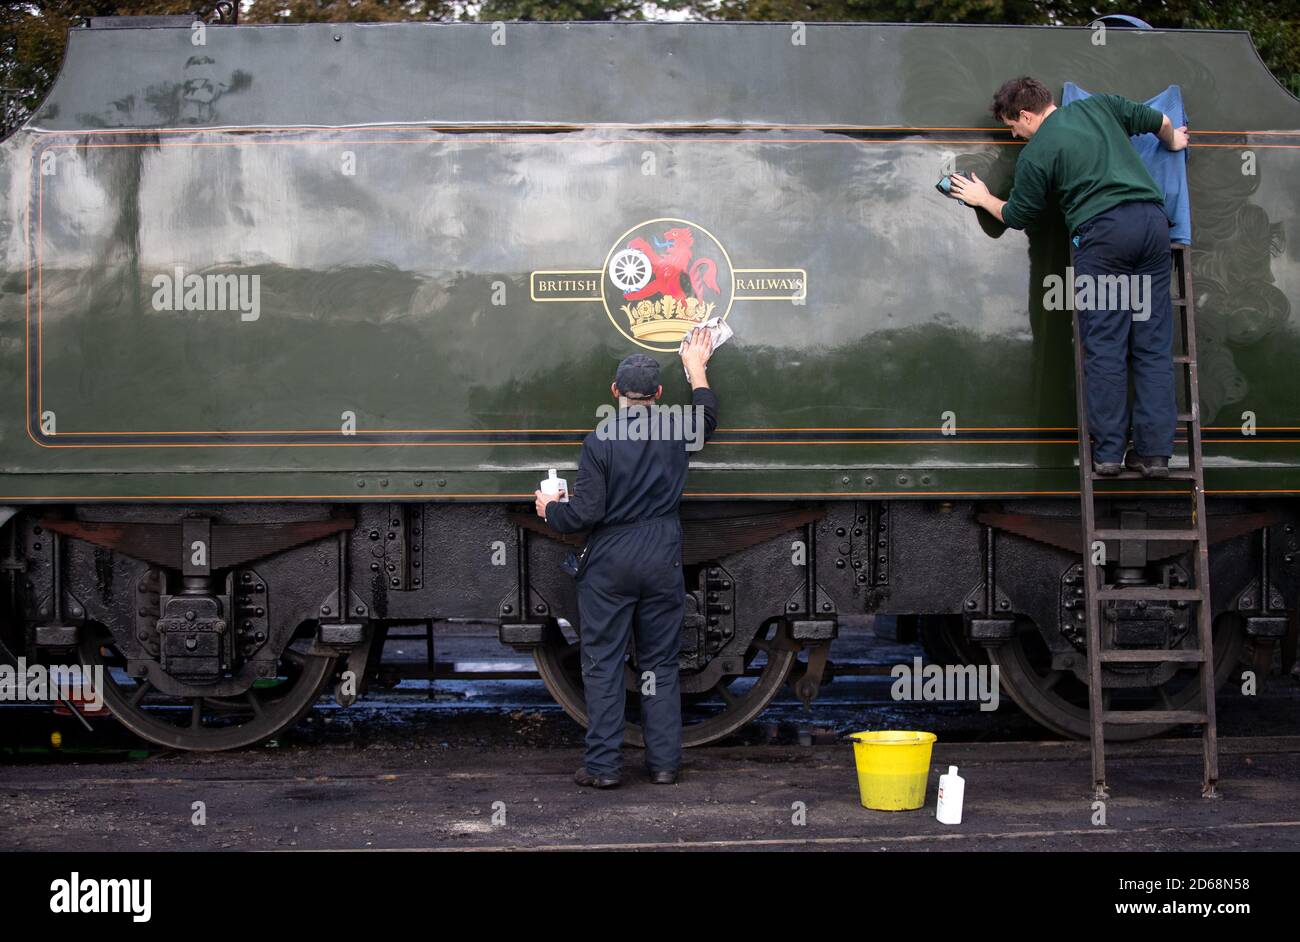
<point x="32" y="35"/>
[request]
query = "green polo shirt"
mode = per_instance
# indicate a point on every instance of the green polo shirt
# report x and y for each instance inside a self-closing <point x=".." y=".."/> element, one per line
<point x="1083" y="155"/>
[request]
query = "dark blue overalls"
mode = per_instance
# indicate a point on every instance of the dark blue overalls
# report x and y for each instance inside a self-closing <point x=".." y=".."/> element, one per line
<point x="631" y="585"/>
<point x="1128" y="239"/>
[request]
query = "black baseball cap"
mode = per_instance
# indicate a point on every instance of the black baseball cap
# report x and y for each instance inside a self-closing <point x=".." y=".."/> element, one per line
<point x="637" y="375"/>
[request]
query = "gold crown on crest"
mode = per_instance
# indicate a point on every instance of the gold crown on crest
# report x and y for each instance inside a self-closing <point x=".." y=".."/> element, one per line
<point x="667" y="318"/>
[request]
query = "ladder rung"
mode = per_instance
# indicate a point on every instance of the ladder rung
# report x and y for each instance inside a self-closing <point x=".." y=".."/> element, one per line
<point x="1152" y="593"/>
<point x="1175" y="474"/>
<point x="1144" y="717"/>
<point x="1128" y="656"/>
<point x="1185" y="536"/>
<point x="1183" y="358"/>
<point x="1186" y="417"/>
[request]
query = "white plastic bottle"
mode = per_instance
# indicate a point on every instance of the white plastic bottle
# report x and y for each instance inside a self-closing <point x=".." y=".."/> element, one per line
<point x="952" y="791"/>
<point x="556" y="487"/>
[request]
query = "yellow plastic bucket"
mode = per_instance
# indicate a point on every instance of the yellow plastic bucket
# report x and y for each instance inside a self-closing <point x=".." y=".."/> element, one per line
<point x="893" y="768"/>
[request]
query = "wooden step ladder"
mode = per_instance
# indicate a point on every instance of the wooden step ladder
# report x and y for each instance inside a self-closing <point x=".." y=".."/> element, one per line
<point x="1197" y="596"/>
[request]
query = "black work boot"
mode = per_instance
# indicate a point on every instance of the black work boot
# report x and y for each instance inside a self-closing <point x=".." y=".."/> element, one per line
<point x="663" y="777"/>
<point x="1156" y="466"/>
<point x="585" y="778"/>
<point x="1107" y="468"/>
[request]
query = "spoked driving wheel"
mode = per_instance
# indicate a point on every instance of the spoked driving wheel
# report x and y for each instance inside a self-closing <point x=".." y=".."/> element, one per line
<point x="709" y="712"/>
<point x="208" y="724"/>
<point x="1057" y="699"/>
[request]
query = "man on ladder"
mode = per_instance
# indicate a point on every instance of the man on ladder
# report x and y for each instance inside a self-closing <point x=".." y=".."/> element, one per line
<point x="1081" y="155"/>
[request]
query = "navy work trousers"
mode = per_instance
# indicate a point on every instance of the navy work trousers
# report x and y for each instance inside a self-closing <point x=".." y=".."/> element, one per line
<point x="1131" y="239"/>
<point x="631" y="587"/>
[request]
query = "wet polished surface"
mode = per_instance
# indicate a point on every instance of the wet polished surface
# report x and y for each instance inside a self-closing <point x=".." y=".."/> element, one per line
<point x="349" y="299"/>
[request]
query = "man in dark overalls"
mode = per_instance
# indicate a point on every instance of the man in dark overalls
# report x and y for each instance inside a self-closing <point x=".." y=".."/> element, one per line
<point x="1080" y="156"/>
<point x="630" y="585"/>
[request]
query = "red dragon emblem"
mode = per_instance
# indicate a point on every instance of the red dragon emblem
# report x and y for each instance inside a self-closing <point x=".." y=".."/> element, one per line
<point x="668" y="259"/>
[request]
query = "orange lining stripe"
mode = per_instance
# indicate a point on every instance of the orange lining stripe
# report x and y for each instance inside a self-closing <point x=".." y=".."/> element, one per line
<point x="561" y="126"/>
<point x="848" y="441"/>
<point x="533" y="139"/>
<point x="496" y="431"/>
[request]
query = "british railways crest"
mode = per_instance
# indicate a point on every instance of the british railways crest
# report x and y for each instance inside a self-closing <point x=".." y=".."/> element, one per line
<point x="665" y="276"/>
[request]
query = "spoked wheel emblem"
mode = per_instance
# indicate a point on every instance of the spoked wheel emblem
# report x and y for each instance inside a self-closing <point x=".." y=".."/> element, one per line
<point x="630" y="270"/>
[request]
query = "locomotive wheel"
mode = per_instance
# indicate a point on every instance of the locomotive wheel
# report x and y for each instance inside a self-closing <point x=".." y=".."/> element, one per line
<point x="706" y="716"/>
<point x="209" y="724"/>
<point x="1059" y="700"/>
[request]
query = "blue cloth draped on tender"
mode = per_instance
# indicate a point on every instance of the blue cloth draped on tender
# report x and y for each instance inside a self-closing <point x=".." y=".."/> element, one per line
<point x="1168" y="168"/>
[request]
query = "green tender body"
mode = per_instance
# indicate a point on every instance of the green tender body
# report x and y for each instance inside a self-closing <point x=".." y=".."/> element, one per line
<point x="400" y="192"/>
